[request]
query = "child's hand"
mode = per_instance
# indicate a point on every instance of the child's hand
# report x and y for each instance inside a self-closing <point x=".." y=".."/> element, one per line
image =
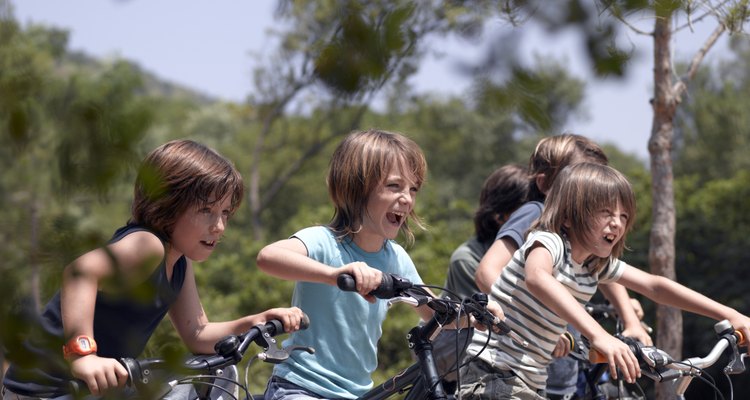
<point x="290" y="317"/>
<point x="99" y="373"/>
<point x="619" y="356"/>
<point x="638" y="332"/>
<point x="742" y="323"/>
<point x="494" y="308"/>
<point x="366" y="277"/>
<point x="563" y="346"/>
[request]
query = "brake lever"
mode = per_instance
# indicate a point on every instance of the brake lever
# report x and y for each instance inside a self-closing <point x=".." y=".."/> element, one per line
<point x="275" y="355"/>
<point x="403" y="299"/>
<point x="736" y="363"/>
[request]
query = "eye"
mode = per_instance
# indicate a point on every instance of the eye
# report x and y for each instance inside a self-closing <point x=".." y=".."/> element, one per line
<point x="205" y="210"/>
<point x="414" y="189"/>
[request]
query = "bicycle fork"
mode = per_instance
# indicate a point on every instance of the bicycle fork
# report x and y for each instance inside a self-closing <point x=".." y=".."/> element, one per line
<point x="422" y="347"/>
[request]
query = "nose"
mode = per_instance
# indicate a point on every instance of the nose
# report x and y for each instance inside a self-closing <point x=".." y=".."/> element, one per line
<point x="617" y="219"/>
<point x="406" y="197"/>
<point x="219" y="224"/>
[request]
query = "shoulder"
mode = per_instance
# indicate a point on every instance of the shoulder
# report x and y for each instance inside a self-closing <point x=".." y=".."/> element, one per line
<point x="470" y="249"/>
<point x="530" y="208"/>
<point x="137" y="248"/>
<point x="550" y="241"/>
<point x="314" y="233"/>
<point x="520" y="221"/>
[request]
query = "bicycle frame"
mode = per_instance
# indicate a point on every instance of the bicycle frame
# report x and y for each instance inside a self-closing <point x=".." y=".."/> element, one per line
<point x="422" y="375"/>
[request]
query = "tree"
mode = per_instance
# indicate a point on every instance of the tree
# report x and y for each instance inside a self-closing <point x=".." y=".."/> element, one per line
<point x="337" y="56"/>
<point x="668" y="94"/>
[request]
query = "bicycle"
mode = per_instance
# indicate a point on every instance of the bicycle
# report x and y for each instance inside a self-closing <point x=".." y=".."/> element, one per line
<point x="209" y="376"/>
<point x="421" y="380"/>
<point x="659" y="366"/>
<point x="595" y="380"/>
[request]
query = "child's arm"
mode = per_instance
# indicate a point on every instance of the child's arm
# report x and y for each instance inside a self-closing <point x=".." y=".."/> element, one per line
<point x="129" y="260"/>
<point x="288" y="259"/>
<point x="493" y="262"/>
<point x="666" y="291"/>
<point x="618" y="296"/>
<point x="200" y="335"/>
<point x="555" y="296"/>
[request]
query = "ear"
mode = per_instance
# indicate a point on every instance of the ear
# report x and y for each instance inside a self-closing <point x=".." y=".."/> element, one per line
<point x="540" y="181"/>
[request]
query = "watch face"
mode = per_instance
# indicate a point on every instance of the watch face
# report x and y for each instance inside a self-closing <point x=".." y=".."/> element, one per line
<point x="84" y="344"/>
<point x="81" y="345"/>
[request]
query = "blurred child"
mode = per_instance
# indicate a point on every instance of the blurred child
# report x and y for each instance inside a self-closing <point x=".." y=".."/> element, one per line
<point x="112" y="298"/>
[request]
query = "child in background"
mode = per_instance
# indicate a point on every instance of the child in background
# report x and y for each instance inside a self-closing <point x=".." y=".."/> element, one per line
<point x="550" y="156"/>
<point x="572" y="249"/>
<point x="113" y="298"/>
<point x="502" y="193"/>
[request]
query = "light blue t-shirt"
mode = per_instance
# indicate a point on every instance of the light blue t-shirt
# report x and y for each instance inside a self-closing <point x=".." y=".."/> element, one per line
<point x="344" y="327"/>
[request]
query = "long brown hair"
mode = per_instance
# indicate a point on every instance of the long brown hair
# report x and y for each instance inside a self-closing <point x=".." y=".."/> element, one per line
<point x="178" y="175"/>
<point x="578" y="194"/>
<point x="359" y="164"/>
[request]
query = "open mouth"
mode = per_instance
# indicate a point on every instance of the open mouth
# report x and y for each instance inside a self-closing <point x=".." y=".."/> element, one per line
<point x="610" y="238"/>
<point x="209" y="243"/>
<point x="395" y="217"/>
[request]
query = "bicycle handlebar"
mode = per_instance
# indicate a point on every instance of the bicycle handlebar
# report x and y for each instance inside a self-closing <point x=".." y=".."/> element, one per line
<point x="660" y="366"/>
<point x="228" y="351"/>
<point x="398" y="289"/>
<point x="391" y="285"/>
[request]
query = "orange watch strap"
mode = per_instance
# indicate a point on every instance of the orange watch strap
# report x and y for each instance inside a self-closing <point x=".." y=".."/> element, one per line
<point x="80" y="345"/>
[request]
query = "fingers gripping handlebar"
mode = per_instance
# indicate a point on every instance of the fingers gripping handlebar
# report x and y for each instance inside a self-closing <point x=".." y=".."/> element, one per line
<point x="228" y="351"/>
<point x="393" y="286"/>
<point x="654" y="359"/>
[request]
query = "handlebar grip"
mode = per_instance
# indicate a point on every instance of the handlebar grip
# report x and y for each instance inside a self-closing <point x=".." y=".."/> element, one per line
<point x="77" y="387"/>
<point x="595" y="357"/>
<point x="276" y="327"/>
<point x="346" y="283"/>
<point x="390" y="286"/>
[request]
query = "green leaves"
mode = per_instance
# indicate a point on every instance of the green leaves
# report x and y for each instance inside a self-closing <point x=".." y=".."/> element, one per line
<point x="362" y="49"/>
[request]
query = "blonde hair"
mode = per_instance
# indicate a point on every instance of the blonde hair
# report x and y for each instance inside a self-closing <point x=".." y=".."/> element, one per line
<point x="359" y="164"/>
<point x="554" y="153"/>
<point x="578" y="194"/>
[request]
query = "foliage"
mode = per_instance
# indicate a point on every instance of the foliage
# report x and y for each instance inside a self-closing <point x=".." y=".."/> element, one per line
<point x="714" y="131"/>
<point x="87" y="124"/>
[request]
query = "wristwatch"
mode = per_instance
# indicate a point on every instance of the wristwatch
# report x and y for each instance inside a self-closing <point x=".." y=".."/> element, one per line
<point x="80" y="345"/>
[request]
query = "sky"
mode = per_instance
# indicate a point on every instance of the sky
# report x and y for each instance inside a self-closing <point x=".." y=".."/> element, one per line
<point x="214" y="48"/>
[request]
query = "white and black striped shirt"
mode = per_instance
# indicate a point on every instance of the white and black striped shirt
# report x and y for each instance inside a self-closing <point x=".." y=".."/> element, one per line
<point x="529" y="317"/>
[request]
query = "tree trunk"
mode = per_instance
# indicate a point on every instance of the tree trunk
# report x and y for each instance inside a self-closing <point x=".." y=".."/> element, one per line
<point x="662" y="248"/>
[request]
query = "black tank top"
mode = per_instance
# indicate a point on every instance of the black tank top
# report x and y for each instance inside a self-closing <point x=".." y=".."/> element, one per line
<point x="123" y="324"/>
